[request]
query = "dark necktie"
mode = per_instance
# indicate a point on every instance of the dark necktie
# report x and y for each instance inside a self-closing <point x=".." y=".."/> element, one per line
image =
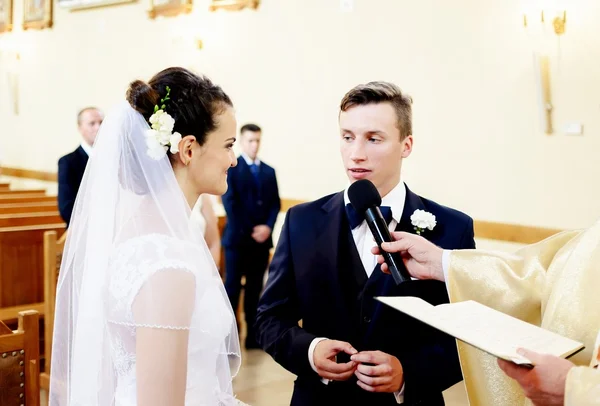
<point x="254" y="171"/>
<point x="355" y="218"/>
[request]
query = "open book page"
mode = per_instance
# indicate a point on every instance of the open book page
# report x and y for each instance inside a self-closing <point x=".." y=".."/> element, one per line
<point x="487" y="329"/>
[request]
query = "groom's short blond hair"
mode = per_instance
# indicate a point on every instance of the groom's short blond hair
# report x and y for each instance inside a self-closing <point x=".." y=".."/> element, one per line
<point x="383" y="92"/>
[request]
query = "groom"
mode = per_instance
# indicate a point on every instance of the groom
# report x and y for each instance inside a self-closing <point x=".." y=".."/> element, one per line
<point x="352" y="349"/>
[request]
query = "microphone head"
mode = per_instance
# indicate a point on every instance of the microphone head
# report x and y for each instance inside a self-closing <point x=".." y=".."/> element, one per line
<point x="363" y="194"/>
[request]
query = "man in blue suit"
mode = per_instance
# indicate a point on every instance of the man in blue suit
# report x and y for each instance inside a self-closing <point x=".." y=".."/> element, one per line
<point x="252" y="204"/>
<point x="350" y="348"/>
<point x="72" y="166"/>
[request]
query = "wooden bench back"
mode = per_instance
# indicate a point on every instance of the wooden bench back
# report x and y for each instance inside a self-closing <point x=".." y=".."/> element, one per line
<point x="53" y="249"/>
<point x="22" y="268"/>
<point x="29" y="219"/>
<point x="19" y="362"/>
<point x="36" y="192"/>
<point x="26" y="198"/>
<point x="16" y="208"/>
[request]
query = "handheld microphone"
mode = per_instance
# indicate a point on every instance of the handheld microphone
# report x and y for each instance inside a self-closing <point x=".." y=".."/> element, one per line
<point x="365" y="198"/>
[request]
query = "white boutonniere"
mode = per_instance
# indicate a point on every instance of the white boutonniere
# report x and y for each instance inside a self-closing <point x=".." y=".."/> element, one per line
<point x="422" y="220"/>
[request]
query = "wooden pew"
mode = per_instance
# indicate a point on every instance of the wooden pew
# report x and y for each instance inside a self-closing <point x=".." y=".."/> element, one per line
<point x="4" y="186"/>
<point x="19" y="362"/>
<point x="22" y="268"/>
<point x="15" y="208"/>
<point x="29" y="219"/>
<point x="25" y="198"/>
<point x="35" y="192"/>
<point x="53" y="249"/>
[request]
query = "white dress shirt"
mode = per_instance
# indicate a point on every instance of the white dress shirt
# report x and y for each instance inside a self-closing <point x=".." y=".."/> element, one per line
<point x="364" y="243"/>
<point x="87" y="148"/>
<point x="250" y="161"/>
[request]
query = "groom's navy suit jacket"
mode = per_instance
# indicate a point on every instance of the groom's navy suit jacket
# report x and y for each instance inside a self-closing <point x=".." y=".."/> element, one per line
<point x="316" y="276"/>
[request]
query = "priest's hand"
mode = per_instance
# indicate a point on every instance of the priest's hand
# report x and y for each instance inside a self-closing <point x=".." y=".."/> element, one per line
<point x="384" y="374"/>
<point x="324" y="358"/>
<point x="422" y="259"/>
<point x="545" y="383"/>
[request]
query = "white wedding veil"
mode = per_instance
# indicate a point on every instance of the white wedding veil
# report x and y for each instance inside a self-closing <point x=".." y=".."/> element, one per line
<point x="125" y="196"/>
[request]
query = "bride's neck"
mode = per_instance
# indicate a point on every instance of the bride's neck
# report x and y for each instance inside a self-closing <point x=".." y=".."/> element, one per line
<point x="189" y="192"/>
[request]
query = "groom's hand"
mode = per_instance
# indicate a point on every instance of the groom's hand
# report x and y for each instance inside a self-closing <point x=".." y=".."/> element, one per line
<point x="324" y="360"/>
<point x="385" y="374"/>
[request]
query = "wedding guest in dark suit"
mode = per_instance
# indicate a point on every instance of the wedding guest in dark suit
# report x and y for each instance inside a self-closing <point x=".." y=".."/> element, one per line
<point x="72" y="166"/>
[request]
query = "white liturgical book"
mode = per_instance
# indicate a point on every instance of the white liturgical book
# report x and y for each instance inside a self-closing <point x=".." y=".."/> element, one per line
<point x="485" y="328"/>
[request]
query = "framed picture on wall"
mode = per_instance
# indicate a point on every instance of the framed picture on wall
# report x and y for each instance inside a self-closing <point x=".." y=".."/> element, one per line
<point x="85" y="4"/>
<point x="233" y="4"/>
<point x="37" y="14"/>
<point x="169" y="8"/>
<point x="5" y="15"/>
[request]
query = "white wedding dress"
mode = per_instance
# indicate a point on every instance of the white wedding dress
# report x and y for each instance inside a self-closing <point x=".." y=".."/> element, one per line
<point x="134" y="263"/>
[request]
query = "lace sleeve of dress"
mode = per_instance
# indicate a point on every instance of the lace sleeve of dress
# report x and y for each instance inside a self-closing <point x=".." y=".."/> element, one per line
<point x="166" y="299"/>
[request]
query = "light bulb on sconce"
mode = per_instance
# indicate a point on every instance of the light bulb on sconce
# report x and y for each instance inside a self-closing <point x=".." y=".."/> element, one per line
<point x="560" y="23"/>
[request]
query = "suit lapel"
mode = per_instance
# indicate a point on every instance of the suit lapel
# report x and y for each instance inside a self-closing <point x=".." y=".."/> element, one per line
<point x="83" y="156"/>
<point x="244" y="169"/>
<point x="327" y="261"/>
<point x="245" y="174"/>
<point x="414" y="202"/>
<point x="411" y="203"/>
<point x="328" y="231"/>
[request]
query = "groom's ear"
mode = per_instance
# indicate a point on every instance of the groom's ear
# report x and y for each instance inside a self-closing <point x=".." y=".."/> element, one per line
<point x="407" y="146"/>
<point x="186" y="149"/>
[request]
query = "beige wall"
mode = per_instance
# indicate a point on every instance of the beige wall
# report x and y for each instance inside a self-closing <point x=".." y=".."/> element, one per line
<point x="467" y="63"/>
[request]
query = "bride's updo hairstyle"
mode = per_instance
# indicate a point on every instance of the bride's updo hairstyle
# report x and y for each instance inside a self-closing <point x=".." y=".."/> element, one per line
<point x="194" y="101"/>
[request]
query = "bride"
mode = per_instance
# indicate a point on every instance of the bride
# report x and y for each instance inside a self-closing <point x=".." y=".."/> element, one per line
<point x="142" y="317"/>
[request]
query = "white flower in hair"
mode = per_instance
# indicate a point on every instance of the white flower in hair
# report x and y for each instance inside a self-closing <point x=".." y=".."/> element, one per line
<point x="162" y="121"/>
<point x="422" y="220"/>
<point x="156" y="150"/>
<point x="160" y="138"/>
<point x="174" y="141"/>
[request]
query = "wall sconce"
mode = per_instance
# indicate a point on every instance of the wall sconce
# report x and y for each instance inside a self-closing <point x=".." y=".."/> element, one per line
<point x="537" y="21"/>
<point x="559" y="22"/>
